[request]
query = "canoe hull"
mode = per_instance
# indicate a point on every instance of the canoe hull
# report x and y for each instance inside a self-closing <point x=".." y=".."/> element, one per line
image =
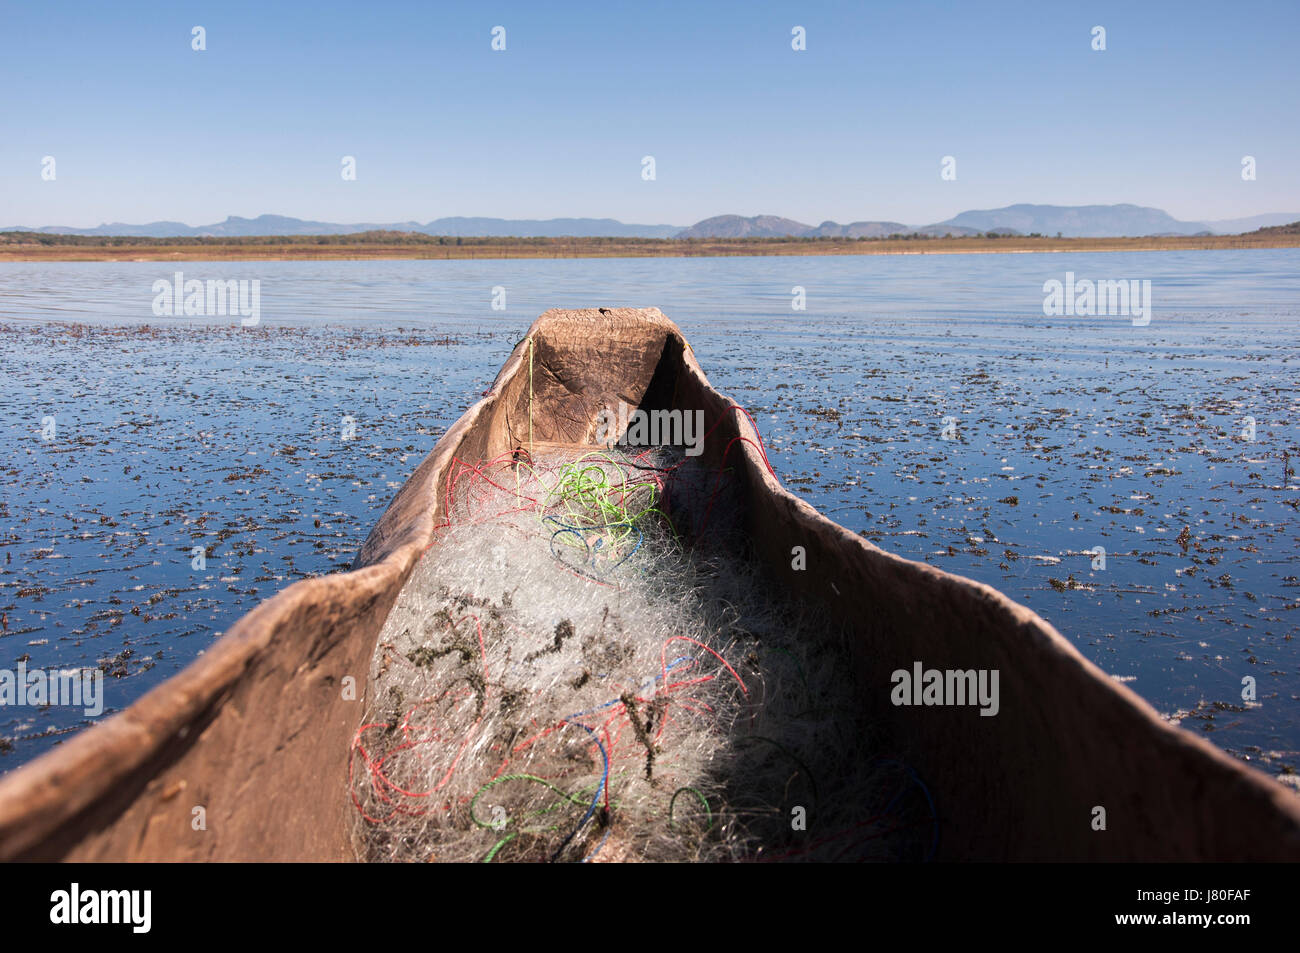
<point x="256" y="732"/>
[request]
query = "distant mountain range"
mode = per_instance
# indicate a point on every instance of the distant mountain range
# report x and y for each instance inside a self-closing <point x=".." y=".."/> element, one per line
<point x="1071" y="221"/>
<point x="284" y="225"/>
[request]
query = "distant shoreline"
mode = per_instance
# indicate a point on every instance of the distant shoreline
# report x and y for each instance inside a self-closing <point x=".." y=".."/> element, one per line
<point x="363" y="247"/>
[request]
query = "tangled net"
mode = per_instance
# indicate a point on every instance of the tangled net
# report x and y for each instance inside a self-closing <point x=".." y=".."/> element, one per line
<point x="565" y="678"/>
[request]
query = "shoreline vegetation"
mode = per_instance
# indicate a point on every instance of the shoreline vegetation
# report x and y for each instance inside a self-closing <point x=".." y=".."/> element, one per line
<point x="40" y="246"/>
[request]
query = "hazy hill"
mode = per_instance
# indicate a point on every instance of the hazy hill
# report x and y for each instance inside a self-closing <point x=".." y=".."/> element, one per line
<point x="736" y="226"/>
<point x="1291" y="228"/>
<point x="860" y="230"/>
<point x="1237" y="226"/>
<point x="533" y="228"/>
<point x="770" y="226"/>
<point x="1078" y="221"/>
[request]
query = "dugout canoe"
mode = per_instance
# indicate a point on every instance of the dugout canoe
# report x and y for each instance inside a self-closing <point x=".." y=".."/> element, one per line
<point x="256" y="732"/>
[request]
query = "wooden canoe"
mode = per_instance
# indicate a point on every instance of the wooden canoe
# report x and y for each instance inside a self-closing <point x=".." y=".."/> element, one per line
<point x="256" y="731"/>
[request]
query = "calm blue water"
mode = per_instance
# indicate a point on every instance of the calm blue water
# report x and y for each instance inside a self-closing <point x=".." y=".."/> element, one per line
<point x="1069" y="433"/>
<point x="695" y="292"/>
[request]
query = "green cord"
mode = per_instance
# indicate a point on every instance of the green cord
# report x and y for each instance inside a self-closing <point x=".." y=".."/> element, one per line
<point x="565" y="795"/>
<point x="497" y="846"/>
<point x="703" y="800"/>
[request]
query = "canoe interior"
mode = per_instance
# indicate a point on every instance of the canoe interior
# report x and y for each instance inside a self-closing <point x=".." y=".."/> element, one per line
<point x="256" y="732"/>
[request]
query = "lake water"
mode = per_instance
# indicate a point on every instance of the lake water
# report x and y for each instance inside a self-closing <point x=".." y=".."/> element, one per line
<point x="1068" y="433"/>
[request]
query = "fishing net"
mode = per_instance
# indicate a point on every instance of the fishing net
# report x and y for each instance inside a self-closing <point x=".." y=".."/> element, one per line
<point x="568" y="677"/>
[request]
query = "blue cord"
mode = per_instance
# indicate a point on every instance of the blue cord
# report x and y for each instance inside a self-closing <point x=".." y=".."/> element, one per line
<point x="587" y="859"/>
<point x="578" y="531"/>
<point x="934" y="814"/>
<point x="604" y="780"/>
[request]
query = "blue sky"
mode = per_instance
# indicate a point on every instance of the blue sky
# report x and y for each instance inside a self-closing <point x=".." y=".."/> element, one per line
<point x="144" y="128"/>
